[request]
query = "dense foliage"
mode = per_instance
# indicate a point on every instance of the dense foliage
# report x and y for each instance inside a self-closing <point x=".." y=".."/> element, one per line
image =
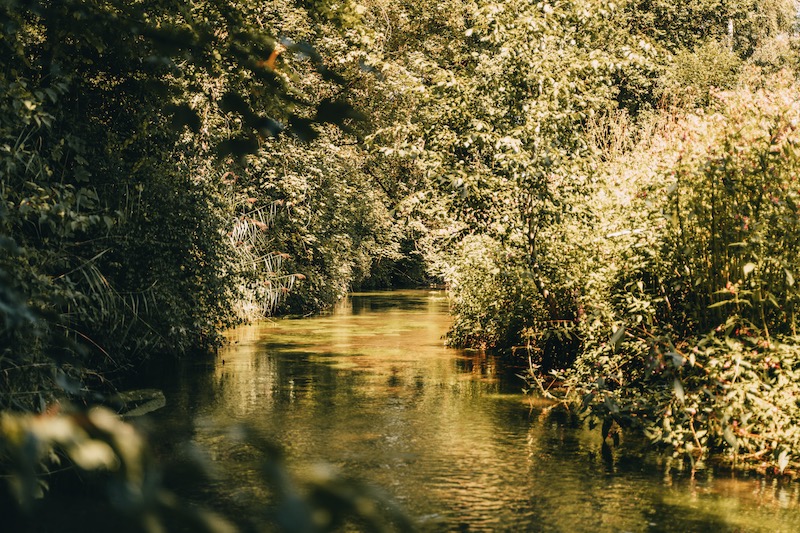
<point x="110" y="479"/>
<point x="142" y="207"/>
<point x="609" y="188"/>
<point x="701" y="297"/>
<point x="537" y="152"/>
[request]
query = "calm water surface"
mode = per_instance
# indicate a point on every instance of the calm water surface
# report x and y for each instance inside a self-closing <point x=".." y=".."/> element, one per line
<point x="372" y="391"/>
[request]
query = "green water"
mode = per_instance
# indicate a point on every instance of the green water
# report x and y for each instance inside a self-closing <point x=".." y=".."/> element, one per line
<point x="372" y="391"/>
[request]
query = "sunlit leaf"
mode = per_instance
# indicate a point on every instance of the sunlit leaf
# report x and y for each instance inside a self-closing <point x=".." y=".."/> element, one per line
<point x="783" y="460"/>
<point x="721" y="303"/>
<point x="616" y="338"/>
<point x="677" y="387"/>
<point x="730" y="438"/>
<point x="93" y="455"/>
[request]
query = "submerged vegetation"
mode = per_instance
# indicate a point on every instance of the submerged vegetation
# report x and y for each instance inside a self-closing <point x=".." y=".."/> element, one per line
<point x="609" y="189"/>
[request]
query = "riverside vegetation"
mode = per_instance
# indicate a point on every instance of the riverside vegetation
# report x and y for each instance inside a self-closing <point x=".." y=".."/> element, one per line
<point x="608" y="189"/>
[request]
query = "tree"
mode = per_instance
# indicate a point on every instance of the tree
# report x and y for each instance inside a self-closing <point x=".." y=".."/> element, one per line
<point x="497" y="135"/>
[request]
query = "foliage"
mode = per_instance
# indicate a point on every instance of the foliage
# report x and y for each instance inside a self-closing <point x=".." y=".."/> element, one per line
<point x="698" y="346"/>
<point x="123" y="486"/>
<point x="497" y="141"/>
<point x="733" y="221"/>
<point x="777" y="53"/>
<point x="683" y="26"/>
<point x="492" y="303"/>
<point x="118" y="125"/>
<point x="693" y="76"/>
<point x="332" y="223"/>
<point x="518" y="104"/>
<point x="167" y="170"/>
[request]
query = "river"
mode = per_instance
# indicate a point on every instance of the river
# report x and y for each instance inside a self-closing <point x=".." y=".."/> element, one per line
<point x="371" y="391"/>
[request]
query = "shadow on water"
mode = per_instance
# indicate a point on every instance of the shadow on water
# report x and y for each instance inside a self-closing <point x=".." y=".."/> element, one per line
<point x="371" y="390"/>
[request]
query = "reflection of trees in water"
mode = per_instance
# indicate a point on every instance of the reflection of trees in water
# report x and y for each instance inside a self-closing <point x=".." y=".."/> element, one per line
<point x="479" y="365"/>
<point x="377" y="395"/>
<point x="434" y="302"/>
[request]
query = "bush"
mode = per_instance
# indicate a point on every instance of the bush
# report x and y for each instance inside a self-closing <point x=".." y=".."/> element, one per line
<point x="492" y="299"/>
<point x="776" y="53"/>
<point x="700" y="346"/>
<point x="691" y="77"/>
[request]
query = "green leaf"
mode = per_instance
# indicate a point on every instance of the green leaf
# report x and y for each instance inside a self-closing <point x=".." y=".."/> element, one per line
<point x="677" y="387"/>
<point x="789" y="278"/>
<point x="731" y="439"/>
<point x="587" y="399"/>
<point x="720" y="304"/>
<point x="616" y="338"/>
<point x="748" y="268"/>
<point x="607" y="422"/>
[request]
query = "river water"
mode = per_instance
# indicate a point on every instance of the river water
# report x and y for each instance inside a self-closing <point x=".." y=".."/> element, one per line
<point x="371" y="391"/>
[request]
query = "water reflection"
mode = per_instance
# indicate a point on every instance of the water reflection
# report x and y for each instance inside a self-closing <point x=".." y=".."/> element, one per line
<point x="372" y="390"/>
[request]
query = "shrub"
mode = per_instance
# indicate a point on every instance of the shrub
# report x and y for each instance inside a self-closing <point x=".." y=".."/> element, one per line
<point x="691" y="77"/>
<point x="700" y="346"/>
<point x="492" y="299"/>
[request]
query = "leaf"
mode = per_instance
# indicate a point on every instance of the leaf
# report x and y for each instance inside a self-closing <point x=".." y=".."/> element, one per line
<point x="51" y="94"/>
<point x="93" y="455"/>
<point x="607" y="422"/>
<point x="789" y="278"/>
<point x="783" y="461"/>
<point x="748" y="268"/>
<point x="731" y="439"/>
<point x="677" y="387"/>
<point x="587" y="399"/>
<point x="616" y="338"/>
<point x="720" y="304"/>
<point x="677" y="359"/>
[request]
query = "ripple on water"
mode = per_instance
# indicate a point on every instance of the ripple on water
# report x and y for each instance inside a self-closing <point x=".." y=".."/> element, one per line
<point x="372" y="390"/>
